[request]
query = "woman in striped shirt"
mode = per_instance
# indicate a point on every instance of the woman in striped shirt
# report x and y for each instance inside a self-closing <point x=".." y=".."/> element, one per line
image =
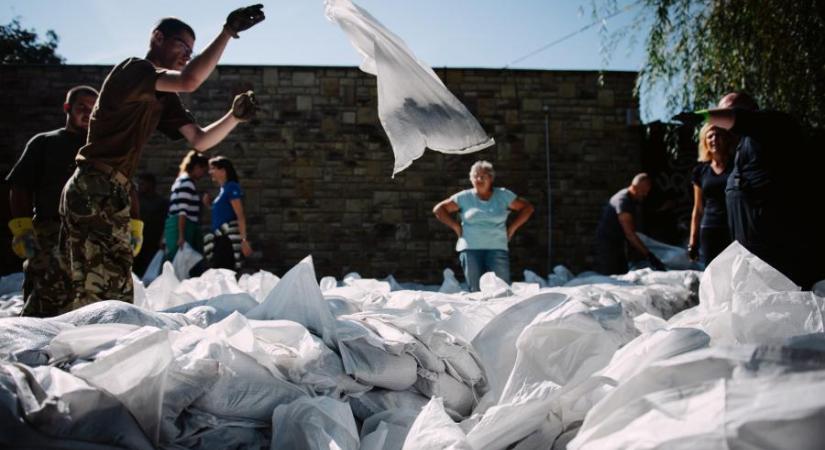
<point x="184" y="206"/>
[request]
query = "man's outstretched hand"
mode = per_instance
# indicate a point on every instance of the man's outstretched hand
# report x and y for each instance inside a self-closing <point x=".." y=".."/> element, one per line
<point x="244" y="106"/>
<point x="243" y="19"/>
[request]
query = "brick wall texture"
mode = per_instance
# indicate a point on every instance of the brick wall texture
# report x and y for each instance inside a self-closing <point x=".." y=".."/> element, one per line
<point x="316" y="166"/>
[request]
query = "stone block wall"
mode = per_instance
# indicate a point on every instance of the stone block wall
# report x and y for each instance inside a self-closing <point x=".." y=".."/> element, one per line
<point x="316" y="164"/>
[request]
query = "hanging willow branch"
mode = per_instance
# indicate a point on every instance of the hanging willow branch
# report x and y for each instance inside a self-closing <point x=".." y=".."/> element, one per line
<point x="696" y="51"/>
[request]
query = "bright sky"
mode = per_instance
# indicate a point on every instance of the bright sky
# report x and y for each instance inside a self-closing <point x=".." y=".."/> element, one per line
<point x="444" y="33"/>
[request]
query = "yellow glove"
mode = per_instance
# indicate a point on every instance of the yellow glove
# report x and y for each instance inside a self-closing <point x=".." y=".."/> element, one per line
<point x="23" y="243"/>
<point x="136" y="227"/>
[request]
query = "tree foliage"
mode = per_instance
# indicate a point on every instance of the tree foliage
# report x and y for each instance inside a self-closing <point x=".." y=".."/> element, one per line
<point x="698" y="50"/>
<point x="21" y="46"/>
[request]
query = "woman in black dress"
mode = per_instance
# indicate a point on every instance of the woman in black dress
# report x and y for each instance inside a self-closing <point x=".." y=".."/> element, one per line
<point x="709" y="233"/>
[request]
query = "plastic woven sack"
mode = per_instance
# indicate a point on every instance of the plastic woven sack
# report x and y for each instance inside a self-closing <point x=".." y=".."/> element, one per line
<point x="415" y="108"/>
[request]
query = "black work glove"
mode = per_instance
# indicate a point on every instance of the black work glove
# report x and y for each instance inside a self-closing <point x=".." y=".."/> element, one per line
<point x="691" y="118"/>
<point x="244" y="106"/>
<point x="693" y="252"/>
<point x="243" y="19"/>
<point x="655" y="263"/>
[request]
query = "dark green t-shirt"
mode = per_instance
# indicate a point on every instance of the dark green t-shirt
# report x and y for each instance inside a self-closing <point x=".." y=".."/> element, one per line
<point x="128" y="110"/>
<point x="44" y="167"/>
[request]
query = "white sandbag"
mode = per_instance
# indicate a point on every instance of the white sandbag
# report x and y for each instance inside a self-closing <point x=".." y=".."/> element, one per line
<point x="85" y="341"/>
<point x="218" y="308"/>
<point x="387" y="430"/>
<point x="327" y="283"/>
<point x="304" y="358"/>
<point x="738" y="270"/>
<point x="259" y="284"/>
<point x="24" y="339"/>
<point x="435" y="429"/>
<point x="314" y="423"/>
<point x="11" y="283"/>
<point x="45" y="407"/>
<point x="153" y="269"/>
<point x="560" y="276"/>
<point x="212" y="283"/>
<point x="380" y="400"/>
<point x="116" y="311"/>
<point x="457" y="396"/>
<point x="532" y="277"/>
<point x="672" y="256"/>
<point x="769" y="412"/>
<point x="819" y="288"/>
<point x="496" y="342"/>
<point x="161" y="293"/>
<point x="450" y="285"/>
<point x="367" y="359"/>
<point x="298" y="297"/>
<point x="187" y="379"/>
<point x="135" y="373"/>
<point x="415" y="108"/>
<point x="493" y="286"/>
<point x="232" y="344"/>
<point x="185" y="259"/>
<point x="770" y="318"/>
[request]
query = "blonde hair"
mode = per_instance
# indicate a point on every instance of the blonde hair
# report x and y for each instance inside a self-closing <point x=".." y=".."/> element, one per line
<point x="192" y="159"/>
<point x="721" y="142"/>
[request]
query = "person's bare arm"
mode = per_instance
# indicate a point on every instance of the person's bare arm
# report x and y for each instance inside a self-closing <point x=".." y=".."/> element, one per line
<point x="203" y="139"/>
<point x="197" y="71"/>
<point x="21" y="202"/>
<point x="696" y="216"/>
<point x="629" y="228"/>
<point x="237" y="206"/>
<point x="525" y="210"/>
<point x="444" y="211"/>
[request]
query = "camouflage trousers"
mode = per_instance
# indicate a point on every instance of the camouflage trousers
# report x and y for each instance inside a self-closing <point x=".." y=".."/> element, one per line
<point x="95" y="227"/>
<point x="47" y="288"/>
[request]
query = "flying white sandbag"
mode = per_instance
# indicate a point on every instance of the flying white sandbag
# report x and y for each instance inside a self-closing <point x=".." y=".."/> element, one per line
<point x="314" y="424"/>
<point x="415" y="108"/>
<point x="297" y="297"/>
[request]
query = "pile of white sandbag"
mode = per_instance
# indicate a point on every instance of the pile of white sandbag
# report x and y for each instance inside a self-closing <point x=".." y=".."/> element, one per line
<point x="647" y="359"/>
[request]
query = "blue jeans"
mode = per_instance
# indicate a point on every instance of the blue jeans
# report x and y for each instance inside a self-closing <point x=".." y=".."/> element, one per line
<point x="478" y="262"/>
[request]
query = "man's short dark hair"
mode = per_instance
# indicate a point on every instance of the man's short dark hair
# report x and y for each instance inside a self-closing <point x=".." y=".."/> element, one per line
<point x="76" y="91"/>
<point x="171" y="26"/>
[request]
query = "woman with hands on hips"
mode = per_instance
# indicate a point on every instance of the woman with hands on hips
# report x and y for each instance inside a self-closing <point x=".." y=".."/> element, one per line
<point x="483" y="232"/>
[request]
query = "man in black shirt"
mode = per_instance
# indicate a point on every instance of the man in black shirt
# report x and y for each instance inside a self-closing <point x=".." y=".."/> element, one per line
<point x="617" y="228"/>
<point x="771" y="194"/>
<point x="36" y="182"/>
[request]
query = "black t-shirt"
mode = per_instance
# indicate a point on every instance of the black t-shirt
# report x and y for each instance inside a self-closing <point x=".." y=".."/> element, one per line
<point x="609" y="227"/>
<point x="767" y="156"/>
<point x="713" y="194"/>
<point x="44" y="167"/>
